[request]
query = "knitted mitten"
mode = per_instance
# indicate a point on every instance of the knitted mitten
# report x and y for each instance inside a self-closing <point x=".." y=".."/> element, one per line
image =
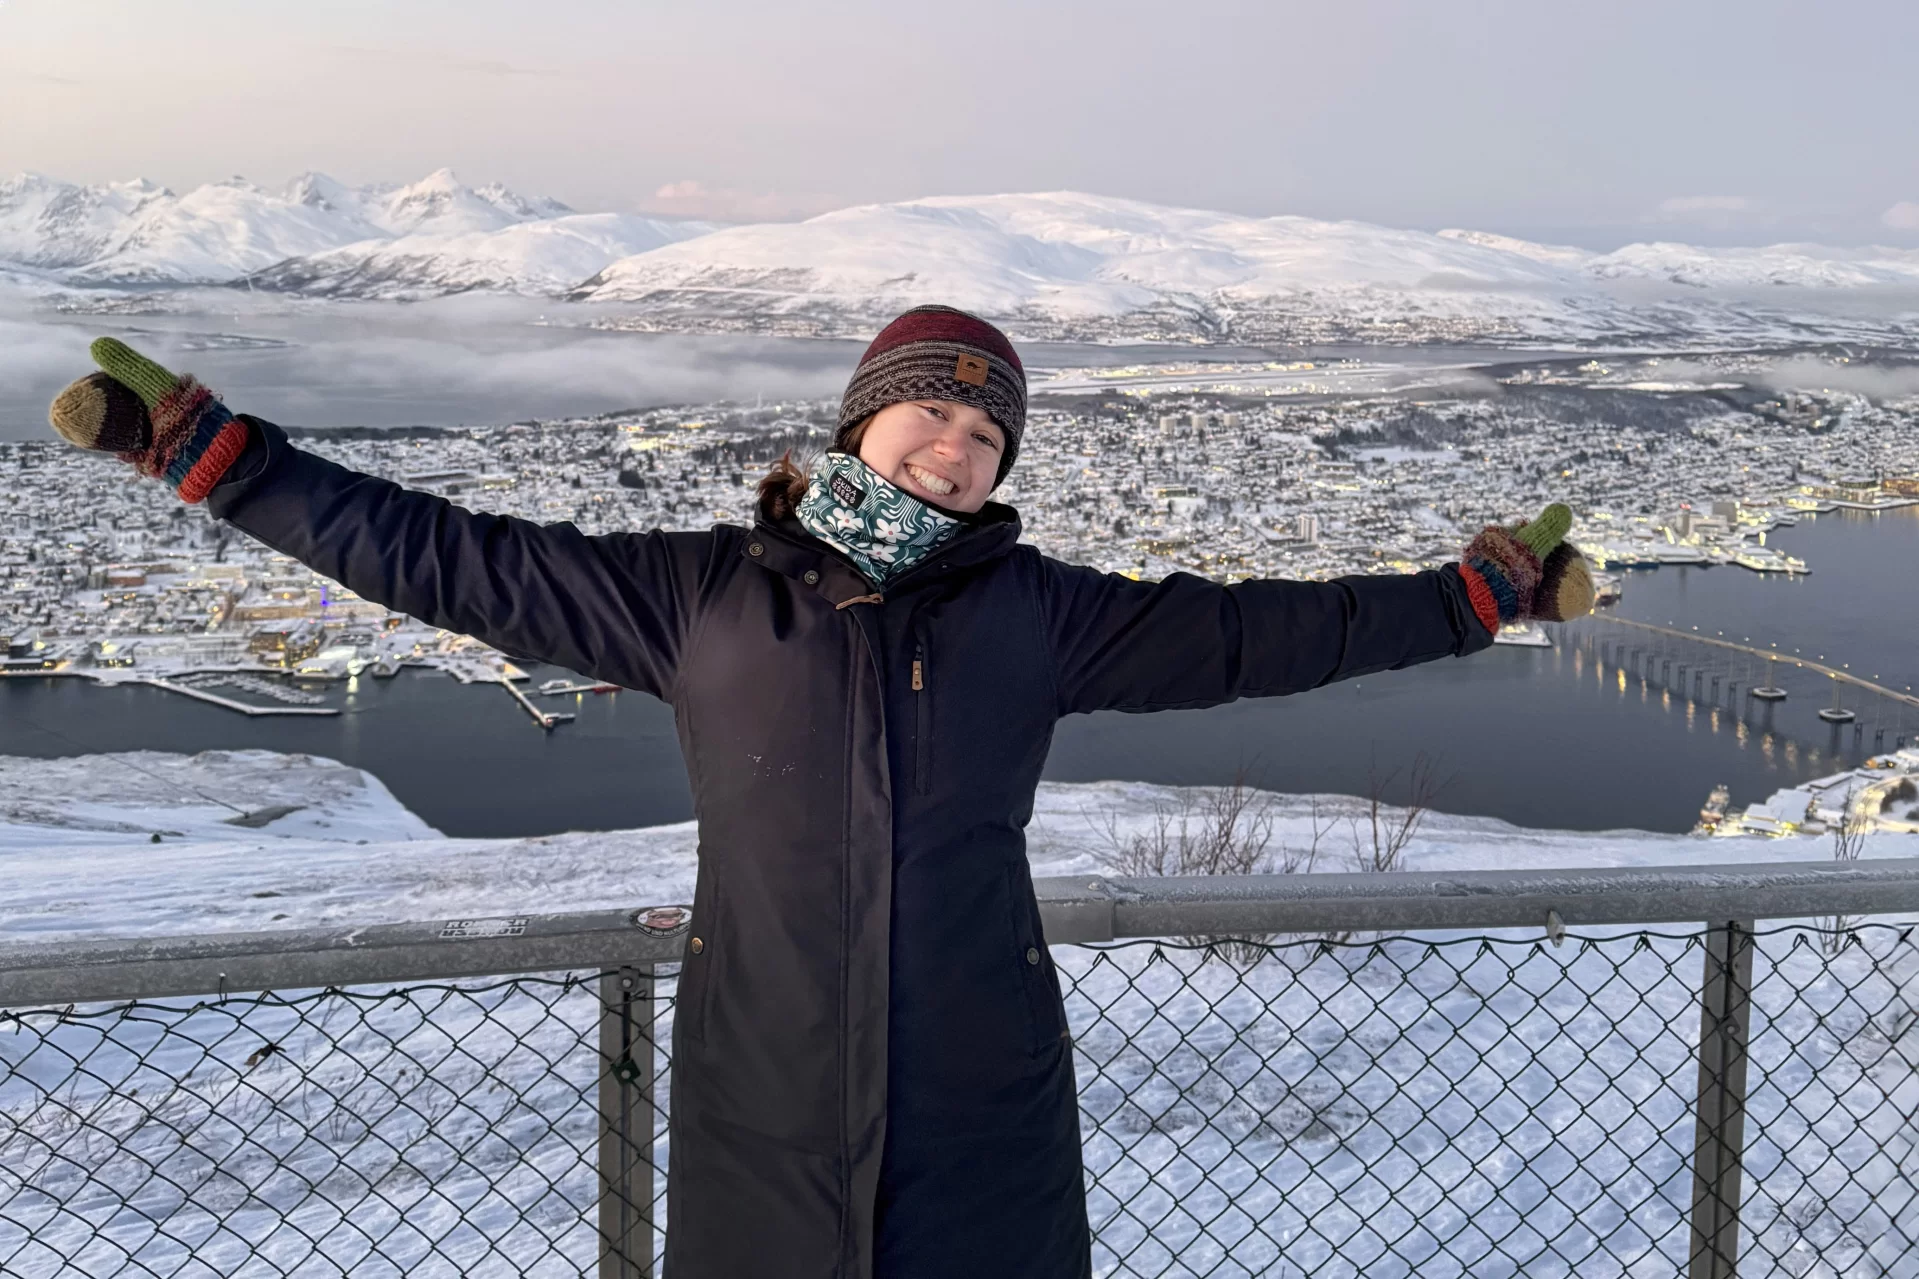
<point x="1529" y="573"/>
<point x="169" y="427"/>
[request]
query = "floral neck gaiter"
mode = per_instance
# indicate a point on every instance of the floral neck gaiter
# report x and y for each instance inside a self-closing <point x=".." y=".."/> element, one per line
<point x="882" y="528"/>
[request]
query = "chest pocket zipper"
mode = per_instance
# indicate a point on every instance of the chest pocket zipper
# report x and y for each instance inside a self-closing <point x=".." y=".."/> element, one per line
<point x="922" y="722"/>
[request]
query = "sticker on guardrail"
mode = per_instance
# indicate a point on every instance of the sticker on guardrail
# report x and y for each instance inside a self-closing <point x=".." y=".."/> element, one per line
<point x="463" y="929"/>
<point x="662" y="921"/>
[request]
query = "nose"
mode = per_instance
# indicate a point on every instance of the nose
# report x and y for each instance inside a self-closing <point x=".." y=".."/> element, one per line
<point x="951" y="442"/>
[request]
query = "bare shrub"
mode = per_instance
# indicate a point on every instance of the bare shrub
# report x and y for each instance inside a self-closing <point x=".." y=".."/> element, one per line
<point x="1225" y="830"/>
<point x="1848" y="841"/>
<point x="1381" y="846"/>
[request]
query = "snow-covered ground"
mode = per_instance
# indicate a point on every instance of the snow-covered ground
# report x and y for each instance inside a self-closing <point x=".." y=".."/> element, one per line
<point x="1425" y="1107"/>
<point x="78" y="855"/>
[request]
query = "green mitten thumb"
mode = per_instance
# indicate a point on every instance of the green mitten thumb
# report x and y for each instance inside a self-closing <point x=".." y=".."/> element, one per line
<point x="133" y="370"/>
<point x="1548" y="531"/>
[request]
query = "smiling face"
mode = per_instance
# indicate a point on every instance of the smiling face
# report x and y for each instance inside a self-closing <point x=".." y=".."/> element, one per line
<point x="940" y="451"/>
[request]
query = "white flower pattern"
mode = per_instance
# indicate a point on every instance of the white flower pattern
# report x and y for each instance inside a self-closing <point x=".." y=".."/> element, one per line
<point x="886" y="532"/>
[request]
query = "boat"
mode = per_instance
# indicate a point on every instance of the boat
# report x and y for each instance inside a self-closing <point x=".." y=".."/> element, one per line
<point x="553" y="686"/>
<point x="1714" y="812"/>
<point x="1763" y="559"/>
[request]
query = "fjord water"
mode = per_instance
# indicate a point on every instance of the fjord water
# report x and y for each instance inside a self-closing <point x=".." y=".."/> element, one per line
<point x="1539" y="737"/>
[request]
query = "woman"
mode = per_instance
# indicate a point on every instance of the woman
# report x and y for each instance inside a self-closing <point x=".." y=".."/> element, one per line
<point x="872" y="1069"/>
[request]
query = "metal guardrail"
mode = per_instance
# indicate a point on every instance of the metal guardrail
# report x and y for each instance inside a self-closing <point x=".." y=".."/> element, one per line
<point x="1072" y="908"/>
<point x="1387" y="1055"/>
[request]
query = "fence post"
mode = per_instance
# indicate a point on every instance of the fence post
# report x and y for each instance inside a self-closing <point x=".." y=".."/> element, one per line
<point x="626" y="1123"/>
<point x="1725" y="1028"/>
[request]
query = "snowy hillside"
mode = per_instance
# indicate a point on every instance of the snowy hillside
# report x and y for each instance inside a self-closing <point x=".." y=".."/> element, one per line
<point x="1792" y="266"/>
<point x="445" y="237"/>
<point x="1072" y="266"/>
<point x="1068" y="264"/>
<point x="1060" y="265"/>
<point x="542" y="258"/>
<point x="54" y="225"/>
<point x="250" y="839"/>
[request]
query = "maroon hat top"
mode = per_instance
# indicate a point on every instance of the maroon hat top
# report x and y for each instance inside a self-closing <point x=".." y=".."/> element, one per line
<point x="939" y="353"/>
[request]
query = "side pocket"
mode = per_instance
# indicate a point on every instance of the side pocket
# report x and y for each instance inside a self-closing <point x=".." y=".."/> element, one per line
<point x="1046" y="1019"/>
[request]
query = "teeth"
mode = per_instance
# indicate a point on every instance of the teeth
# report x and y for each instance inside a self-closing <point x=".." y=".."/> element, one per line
<point x="932" y="483"/>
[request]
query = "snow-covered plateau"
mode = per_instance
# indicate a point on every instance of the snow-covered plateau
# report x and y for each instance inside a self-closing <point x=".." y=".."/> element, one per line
<point x="256" y="839"/>
<point x="1050" y="265"/>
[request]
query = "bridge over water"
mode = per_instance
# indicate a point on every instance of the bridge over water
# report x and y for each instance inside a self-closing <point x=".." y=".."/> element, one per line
<point x="1768" y="654"/>
<point x="1709" y="669"/>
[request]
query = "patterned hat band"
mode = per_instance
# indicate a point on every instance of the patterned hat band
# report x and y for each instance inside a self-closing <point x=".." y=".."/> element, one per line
<point x="937" y="353"/>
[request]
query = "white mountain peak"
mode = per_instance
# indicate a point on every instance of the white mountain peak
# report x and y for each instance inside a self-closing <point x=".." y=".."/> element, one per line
<point x="1062" y="264"/>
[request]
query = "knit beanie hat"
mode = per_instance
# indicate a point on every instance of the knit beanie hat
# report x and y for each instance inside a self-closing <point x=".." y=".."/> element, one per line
<point x="939" y="353"/>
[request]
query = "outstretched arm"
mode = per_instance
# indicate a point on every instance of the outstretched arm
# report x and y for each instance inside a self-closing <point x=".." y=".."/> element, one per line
<point x="1185" y="642"/>
<point x="1119" y="644"/>
<point x="617" y="607"/>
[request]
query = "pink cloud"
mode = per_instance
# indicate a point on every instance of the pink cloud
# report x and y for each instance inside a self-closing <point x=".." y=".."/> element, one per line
<point x="1903" y="216"/>
<point x="691" y="198"/>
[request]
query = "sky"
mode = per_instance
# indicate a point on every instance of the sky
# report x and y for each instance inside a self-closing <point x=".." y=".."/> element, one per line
<point x="1752" y="121"/>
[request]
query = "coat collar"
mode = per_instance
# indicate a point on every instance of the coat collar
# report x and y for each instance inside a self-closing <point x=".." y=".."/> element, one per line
<point x="788" y="549"/>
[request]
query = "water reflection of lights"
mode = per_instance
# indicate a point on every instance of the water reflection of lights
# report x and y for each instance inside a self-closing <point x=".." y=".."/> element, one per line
<point x="1741" y="732"/>
<point x="1622" y="681"/>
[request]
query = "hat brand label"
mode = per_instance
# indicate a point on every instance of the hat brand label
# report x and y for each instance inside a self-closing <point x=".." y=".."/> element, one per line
<point x="971" y="370"/>
<point x="849" y="493"/>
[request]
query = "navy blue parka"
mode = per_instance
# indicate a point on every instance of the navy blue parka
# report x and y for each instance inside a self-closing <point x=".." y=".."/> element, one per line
<point x="873" y="1074"/>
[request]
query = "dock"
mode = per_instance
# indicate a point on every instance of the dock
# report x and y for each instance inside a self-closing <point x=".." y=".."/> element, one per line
<point x="544" y="719"/>
<point x="187" y="690"/>
<point x="579" y="688"/>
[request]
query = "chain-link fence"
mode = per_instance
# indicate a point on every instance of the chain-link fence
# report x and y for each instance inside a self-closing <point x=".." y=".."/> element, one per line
<point x="1703" y="1101"/>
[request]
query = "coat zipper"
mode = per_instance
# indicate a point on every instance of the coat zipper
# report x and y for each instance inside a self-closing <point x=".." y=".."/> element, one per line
<point x="922" y="723"/>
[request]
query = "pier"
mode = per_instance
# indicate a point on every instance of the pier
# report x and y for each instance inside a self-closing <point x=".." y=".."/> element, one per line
<point x="546" y="720"/>
<point x="188" y="690"/>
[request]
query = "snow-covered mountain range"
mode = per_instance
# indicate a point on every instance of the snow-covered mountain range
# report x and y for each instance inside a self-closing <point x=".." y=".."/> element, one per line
<point x="433" y="237"/>
<point x="1059" y="265"/>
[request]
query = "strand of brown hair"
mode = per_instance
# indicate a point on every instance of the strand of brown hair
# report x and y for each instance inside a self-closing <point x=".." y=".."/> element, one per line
<point x="785" y="484"/>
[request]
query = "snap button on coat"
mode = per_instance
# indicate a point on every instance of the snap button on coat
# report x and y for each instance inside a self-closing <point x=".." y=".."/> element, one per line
<point x="861" y="1088"/>
<point x="811" y="577"/>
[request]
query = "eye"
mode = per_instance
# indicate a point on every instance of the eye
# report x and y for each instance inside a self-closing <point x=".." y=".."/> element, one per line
<point x="935" y="410"/>
<point x="986" y="439"/>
